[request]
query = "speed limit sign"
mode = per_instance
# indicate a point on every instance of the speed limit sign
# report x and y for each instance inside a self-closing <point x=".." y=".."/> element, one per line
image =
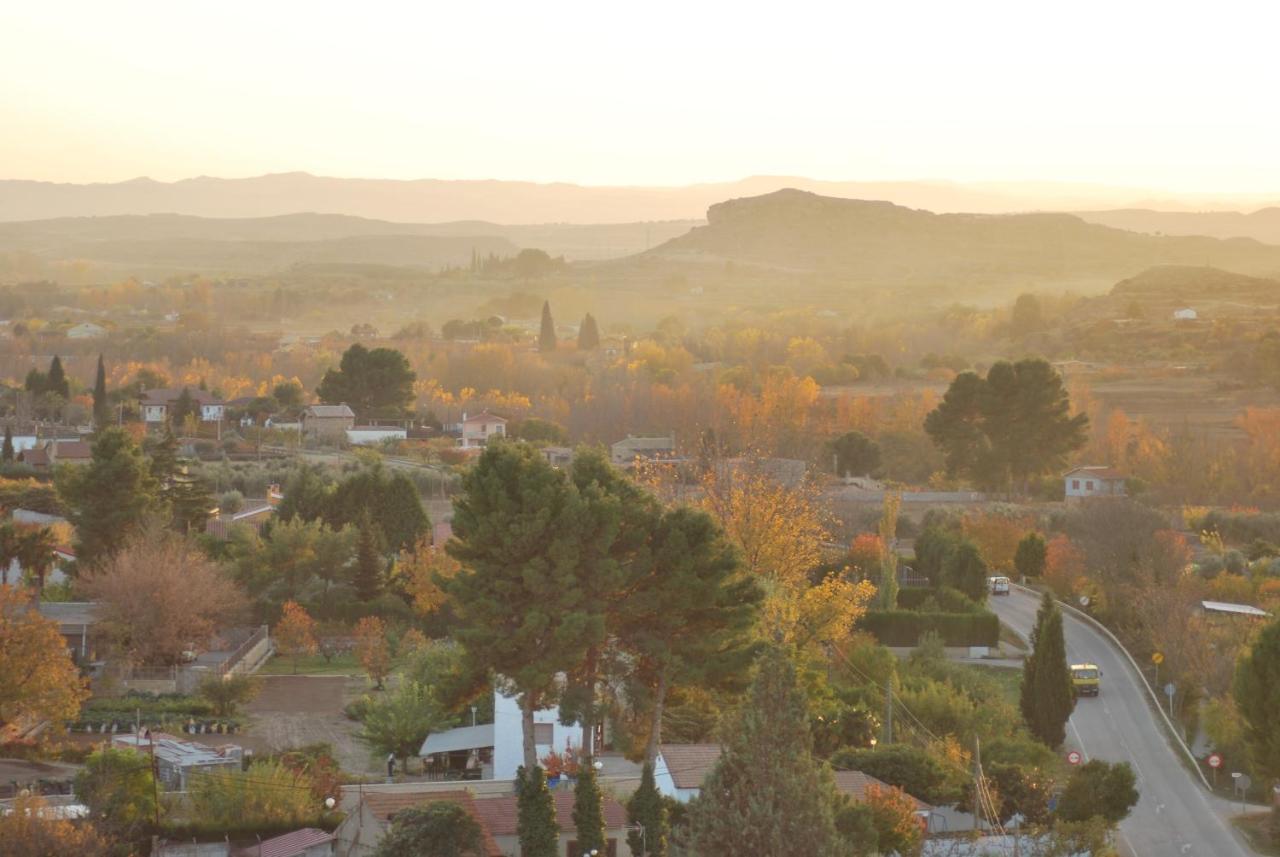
<point x="1074" y="757"/>
<point x="1214" y="761"/>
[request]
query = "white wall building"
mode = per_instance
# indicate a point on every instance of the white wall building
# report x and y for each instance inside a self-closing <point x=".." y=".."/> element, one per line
<point x="1185" y="314"/>
<point x="1094" y="481"/>
<point x="478" y="429"/>
<point x="549" y="734"/>
<point x="369" y="435"/>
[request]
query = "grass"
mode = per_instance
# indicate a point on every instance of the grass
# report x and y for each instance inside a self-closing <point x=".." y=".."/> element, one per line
<point x="1256" y="827"/>
<point x="344" y="664"/>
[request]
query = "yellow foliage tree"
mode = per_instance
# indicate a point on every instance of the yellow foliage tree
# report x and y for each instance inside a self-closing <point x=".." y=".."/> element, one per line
<point x="372" y="649"/>
<point x="295" y="633"/>
<point x="423" y="570"/>
<point x="38" y="680"/>
<point x="34" y="829"/>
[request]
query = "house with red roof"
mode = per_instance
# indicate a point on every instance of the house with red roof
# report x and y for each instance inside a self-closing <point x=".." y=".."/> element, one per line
<point x="368" y="822"/>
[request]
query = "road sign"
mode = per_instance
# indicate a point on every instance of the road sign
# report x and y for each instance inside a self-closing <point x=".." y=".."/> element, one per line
<point x="1074" y="757"/>
<point x="1157" y="659"/>
<point x="1214" y="761"/>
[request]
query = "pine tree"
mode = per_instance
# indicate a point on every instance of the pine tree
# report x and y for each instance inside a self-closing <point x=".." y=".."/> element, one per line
<point x="1047" y="698"/>
<point x="767" y="794"/>
<point x="56" y="380"/>
<point x="109" y="497"/>
<point x="6" y="452"/>
<point x="588" y="334"/>
<point x="588" y="809"/>
<point x="101" y="407"/>
<point x="369" y="560"/>
<point x="646" y="809"/>
<point x="535" y="815"/>
<point x="547" y="336"/>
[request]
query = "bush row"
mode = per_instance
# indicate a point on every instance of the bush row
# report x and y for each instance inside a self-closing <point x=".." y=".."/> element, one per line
<point x="905" y="627"/>
<point x="944" y="599"/>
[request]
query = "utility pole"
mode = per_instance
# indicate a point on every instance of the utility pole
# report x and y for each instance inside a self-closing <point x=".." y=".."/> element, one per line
<point x="888" y="711"/>
<point x="977" y="783"/>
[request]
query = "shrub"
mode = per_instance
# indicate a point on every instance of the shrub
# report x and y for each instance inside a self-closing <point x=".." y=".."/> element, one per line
<point x="904" y="627"/>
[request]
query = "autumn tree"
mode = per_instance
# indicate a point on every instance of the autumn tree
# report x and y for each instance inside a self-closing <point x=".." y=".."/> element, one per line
<point x="893" y="815"/>
<point x="158" y="595"/>
<point x="226" y="693"/>
<point x="547" y="333"/>
<point x="1047" y="697"/>
<point x="295" y="633"/>
<point x="372" y="649"/>
<point x="1064" y="566"/>
<point x="766" y="794"/>
<point x="426" y="571"/>
<point x="118" y="787"/>
<point x="107" y="499"/>
<point x="266" y="794"/>
<point x="887" y="591"/>
<point x="374" y="383"/>
<point x="38" y="680"/>
<point x="31" y="828"/>
<point x="1012" y="425"/>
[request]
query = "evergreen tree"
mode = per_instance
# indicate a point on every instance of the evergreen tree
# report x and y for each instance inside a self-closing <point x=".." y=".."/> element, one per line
<point x="966" y="570"/>
<point x="6" y="452"/>
<point x="1047" y="698"/>
<point x="190" y="502"/>
<point x="536" y="826"/>
<point x="647" y="809"/>
<point x="1030" y="557"/>
<point x="163" y="452"/>
<point x="374" y="383"/>
<point x="547" y="335"/>
<point x="588" y="809"/>
<point x="35" y="383"/>
<point x="438" y="829"/>
<point x="369" y="560"/>
<point x="588" y="334"/>
<point x="1257" y="695"/>
<point x="101" y="407"/>
<point x="389" y="498"/>
<point x="183" y="407"/>
<point x="767" y="794"/>
<point x="56" y="380"/>
<point x="107" y="498"/>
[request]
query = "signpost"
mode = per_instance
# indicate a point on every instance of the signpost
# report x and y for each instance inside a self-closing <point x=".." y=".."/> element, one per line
<point x="1214" y="762"/>
<point x="1074" y="757"/>
<point x="1169" y="691"/>
<point x="1157" y="659"/>
<point x="1242" y="783"/>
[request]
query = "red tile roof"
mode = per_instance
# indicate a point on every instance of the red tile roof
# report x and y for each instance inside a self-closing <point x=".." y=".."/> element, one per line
<point x="499" y="813"/>
<point x="384" y="805"/>
<point x="855" y="783"/>
<point x="689" y="764"/>
<point x="289" y="845"/>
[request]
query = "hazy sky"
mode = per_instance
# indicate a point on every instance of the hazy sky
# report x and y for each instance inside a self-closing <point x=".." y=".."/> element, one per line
<point x="1176" y="96"/>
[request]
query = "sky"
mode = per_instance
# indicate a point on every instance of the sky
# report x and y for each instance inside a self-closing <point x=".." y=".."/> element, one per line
<point x="1171" y="96"/>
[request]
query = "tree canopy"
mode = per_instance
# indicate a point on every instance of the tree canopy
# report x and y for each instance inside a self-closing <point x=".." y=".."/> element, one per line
<point x="374" y="383"/>
<point x="1047" y="698"/>
<point x="108" y="498"/>
<point x="439" y="829"/>
<point x="38" y="680"/>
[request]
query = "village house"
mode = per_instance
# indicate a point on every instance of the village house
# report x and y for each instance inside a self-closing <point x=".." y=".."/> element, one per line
<point x="1094" y="481"/>
<point x="76" y="620"/>
<point x="157" y="405"/>
<point x="475" y="431"/>
<point x="307" y="842"/>
<point x="368" y="822"/>
<point x="177" y="760"/>
<point x="327" y="422"/>
<point x="627" y="451"/>
<point x="45" y="457"/>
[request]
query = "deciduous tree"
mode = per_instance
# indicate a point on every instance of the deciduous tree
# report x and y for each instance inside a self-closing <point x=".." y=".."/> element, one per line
<point x="31" y="828"/>
<point x="398" y="723"/>
<point x="439" y="829"/>
<point x="1098" y="788"/>
<point x="1030" y="557"/>
<point x="118" y="787"/>
<point x="372" y="649"/>
<point x="38" y="680"/>
<point x="295" y="633"/>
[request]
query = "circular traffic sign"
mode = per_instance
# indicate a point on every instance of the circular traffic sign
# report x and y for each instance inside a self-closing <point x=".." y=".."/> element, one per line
<point x="1157" y="659"/>
<point x="1074" y="757"/>
<point x="1214" y="761"/>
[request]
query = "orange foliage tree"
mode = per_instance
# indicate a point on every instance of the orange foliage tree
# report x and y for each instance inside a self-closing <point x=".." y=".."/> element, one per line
<point x="423" y="570"/>
<point x="1064" y="566"/>
<point x="295" y="633"/>
<point x="997" y="536"/>
<point x="38" y="681"/>
<point x="372" y="649"/>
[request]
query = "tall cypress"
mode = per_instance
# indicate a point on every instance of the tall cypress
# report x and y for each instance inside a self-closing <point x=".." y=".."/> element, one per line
<point x="588" y="334"/>
<point x="101" y="408"/>
<point x="547" y="336"/>
<point x="6" y="453"/>
<point x="647" y="810"/>
<point x="1047" y="698"/>
<point x="588" y="809"/>
<point x="369" y="560"/>
<point x="56" y="380"/>
<point x="767" y="794"/>
<point x="535" y="815"/>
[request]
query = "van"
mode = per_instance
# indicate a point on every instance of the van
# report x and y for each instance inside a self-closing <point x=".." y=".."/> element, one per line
<point x="998" y="585"/>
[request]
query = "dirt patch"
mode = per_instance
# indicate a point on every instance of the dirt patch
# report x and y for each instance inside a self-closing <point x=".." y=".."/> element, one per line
<point x="292" y="711"/>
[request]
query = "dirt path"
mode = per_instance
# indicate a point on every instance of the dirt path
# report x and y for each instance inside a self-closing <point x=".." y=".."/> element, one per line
<point x="294" y="710"/>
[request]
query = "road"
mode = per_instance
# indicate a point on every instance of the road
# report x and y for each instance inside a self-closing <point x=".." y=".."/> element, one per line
<point x="1175" y="815"/>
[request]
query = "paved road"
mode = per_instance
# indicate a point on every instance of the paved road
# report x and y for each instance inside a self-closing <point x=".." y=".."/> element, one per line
<point x="1175" y="814"/>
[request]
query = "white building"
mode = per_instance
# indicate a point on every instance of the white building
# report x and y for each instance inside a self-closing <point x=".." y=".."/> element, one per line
<point x="368" y="435"/>
<point x="157" y="404"/>
<point x="1094" y="481"/>
<point x="478" y="429"/>
<point x="1185" y="314"/>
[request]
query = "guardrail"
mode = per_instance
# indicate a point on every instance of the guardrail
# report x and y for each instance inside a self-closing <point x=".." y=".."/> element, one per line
<point x="244" y="648"/>
<point x="1155" y="700"/>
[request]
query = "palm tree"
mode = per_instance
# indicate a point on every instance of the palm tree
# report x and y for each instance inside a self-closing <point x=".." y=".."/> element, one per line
<point x="10" y="549"/>
<point x="36" y="549"/>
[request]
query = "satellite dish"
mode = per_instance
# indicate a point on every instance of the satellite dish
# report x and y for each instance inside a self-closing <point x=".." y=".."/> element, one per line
<point x="1084" y="600"/>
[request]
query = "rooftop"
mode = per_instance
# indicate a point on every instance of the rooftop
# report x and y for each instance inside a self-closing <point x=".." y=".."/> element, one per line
<point x="1237" y="609"/>
<point x="383" y="806"/>
<point x="498" y="814"/>
<point x="1096" y="471"/>
<point x="329" y="411"/>
<point x="461" y="738"/>
<point x="183" y="754"/>
<point x="292" y="844"/>
<point x="689" y="764"/>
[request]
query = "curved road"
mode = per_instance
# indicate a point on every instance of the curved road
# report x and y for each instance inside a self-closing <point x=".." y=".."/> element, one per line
<point x="1175" y="815"/>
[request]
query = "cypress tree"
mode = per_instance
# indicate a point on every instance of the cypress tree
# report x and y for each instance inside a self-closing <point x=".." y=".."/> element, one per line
<point x="588" y="809"/>
<point x="535" y="815"/>
<point x="547" y="336"/>
<point x="588" y="334"/>
<point x="6" y="454"/>
<point x="1047" y="698"/>
<point x="183" y="407"/>
<point x="1030" y="557"/>
<point x="56" y="380"/>
<point x="646" y="809"/>
<point x="767" y="794"/>
<point x="368" y="571"/>
<point x="101" y="408"/>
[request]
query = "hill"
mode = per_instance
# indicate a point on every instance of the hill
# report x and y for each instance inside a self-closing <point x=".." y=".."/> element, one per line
<point x="1188" y="284"/>
<point x="1262" y="225"/>
<point x="879" y="242"/>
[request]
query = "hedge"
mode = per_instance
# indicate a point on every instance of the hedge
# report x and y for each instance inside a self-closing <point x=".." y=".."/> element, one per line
<point x="946" y="599"/>
<point x="905" y="627"/>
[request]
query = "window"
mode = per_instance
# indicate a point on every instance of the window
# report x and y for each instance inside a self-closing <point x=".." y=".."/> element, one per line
<point x="544" y="733"/>
<point x="1088" y="486"/>
<point x="1075" y="484"/>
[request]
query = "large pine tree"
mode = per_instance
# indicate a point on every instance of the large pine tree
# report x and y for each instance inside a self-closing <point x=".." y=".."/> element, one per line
<point x="767" y="794"/>
<point x="1047" y="698"/>
<point x="536" y="825"/>
<point x="109" y="497"/>
<point x="101" y="407"/>
<point x="647" y="810"/>
<point x="547" y="335"/>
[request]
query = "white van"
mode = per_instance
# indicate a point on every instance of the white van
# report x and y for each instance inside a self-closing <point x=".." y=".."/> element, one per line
<point x="998" y="585"/>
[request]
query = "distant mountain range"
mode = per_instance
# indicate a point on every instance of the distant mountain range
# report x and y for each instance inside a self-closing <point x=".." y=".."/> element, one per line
<point x="856" y="240"/>
<point x="1263" y="224"/>
<point x="513" y="202"/>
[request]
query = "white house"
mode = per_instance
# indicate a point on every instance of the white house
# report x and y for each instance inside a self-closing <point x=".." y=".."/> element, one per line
<point x="86" y="330"/>
<point x="368" y="435"/>
<point x="625" y="452"/>
<point x="157" y="404"/>
<point x="1094" y="481"/>
<point x="1185" y="314"/>
<point x="478" y="429"/>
